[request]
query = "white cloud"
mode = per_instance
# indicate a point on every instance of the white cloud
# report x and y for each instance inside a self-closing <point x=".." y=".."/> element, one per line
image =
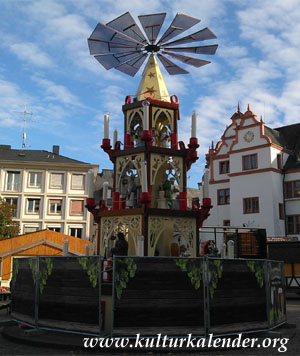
<point x="232" y="51"/>
<point x="175" y="84"/>
<point x="57" y="92"/>
<point x="11" y="103"/>
<point x="31" y="53"/>
<point x="43" y="9"/>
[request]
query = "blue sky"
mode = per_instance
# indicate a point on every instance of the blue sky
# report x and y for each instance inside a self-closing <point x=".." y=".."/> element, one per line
<point x="45" y="65"/>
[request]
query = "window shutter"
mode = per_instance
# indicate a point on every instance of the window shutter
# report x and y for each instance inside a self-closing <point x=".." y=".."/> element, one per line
<point x="32" y="179"/>
<point x="56" y="180"/>
<point x="28" y="229"/>
<point x="39" y="179"/>
<point x="76" y="206"/>
<point x="77" y="181"/>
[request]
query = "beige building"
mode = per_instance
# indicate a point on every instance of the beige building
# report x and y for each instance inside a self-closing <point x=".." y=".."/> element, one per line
<point x="48" y="190"/>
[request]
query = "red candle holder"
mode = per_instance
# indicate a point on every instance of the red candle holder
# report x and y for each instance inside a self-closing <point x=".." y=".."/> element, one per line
<point x="193" y="143"/>
<point x="183" y="201"/>
<point x="115" y="198"/>
<point x="106" y="144"/>
<point x="146" y="135"/>
<point x="127" y="142"/>
<point x="145" y="199"/>
<point x="102" y="205"/>
<point x="206" y="202"/>
<point x="90" y="202"/>
<point x="174" y="141"/>
<point x="122" y="203"/>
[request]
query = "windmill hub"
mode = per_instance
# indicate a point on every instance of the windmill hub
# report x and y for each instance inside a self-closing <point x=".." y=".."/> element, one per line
<point x="152" y="48"/>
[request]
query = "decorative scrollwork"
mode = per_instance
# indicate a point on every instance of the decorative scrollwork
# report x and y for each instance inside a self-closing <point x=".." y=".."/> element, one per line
<point x="173" y="166"/>
<point x="128" y="163"/>
<point x="185" y="226"/>
<point x="130" y="225"/>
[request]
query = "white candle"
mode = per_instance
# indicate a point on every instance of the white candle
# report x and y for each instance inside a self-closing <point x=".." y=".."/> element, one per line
<point x="194" y="125"/>
<point x="115" y="138"/>
<point x="140" y="246"/>
<point x="144" y="177"/>
<point x="146" y="114"/>
<point x="106" y="126"/>
<point x="105" y="190"/>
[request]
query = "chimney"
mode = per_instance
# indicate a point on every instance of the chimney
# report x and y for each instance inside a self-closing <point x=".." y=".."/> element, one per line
<point x="55" y="149"/>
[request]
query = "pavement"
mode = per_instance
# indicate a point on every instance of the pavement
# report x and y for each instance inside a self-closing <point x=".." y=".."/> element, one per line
<point x="17" y="341"/>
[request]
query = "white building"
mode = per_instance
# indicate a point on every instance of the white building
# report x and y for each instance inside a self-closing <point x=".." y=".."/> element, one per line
<point x="253" y="177"/>
<point x="48" y="190"/>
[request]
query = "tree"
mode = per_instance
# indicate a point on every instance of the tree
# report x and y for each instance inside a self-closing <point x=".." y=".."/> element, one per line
<point x="8" y="227"/>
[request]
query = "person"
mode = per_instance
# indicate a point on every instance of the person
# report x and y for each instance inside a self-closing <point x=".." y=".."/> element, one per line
<point x="168" y="193"/>
<point x="121" y="246"/>
<point x="174" y="193"/>
<point x="138" y="136"/>
<point x="164" y="137"/>
<point x="131" y="193"/>
<point x="209" y="248"/>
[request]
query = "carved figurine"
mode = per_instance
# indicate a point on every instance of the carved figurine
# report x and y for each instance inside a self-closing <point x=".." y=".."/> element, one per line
<point x="131" y="193"/>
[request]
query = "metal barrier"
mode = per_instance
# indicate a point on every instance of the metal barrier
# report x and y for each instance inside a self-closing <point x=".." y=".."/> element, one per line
<point x="58" y="293"/>
<point x="150" y="295"/>
<point x="196" y="295"/>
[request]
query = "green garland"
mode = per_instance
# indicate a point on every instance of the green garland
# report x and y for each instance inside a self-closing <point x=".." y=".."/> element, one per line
<point x="259" y="269"/>
<point x="44" y="273"/>
<point x="194" y="272"/>
<point x="124" y="269"/>
<point x="90" y="265"/>
<point x="215" y="268"/>
<point x="15" y="272"/>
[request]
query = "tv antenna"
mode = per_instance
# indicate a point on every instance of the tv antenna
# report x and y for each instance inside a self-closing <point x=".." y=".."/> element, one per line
<point x="24" y="112"/>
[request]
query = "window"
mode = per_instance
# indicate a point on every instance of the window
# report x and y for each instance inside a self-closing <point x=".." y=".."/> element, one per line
<point x="54" y="228"/>
<point x="224" y="167"/>
<point x="226" y="222"/>
<point x="249" y="162"/>
<point x="56" y="180"/>
<point x="55" y="206"/>
<point x="14" y="205"/>
<point x="223" y="196"/>
<point x="251" y="205"/>
<point x="279" y="161"/>
<point x="28" y="229"/>
<point x="76" y="207"/>
<point x="77" y="181"/>
<point x="33" y="206"/>
<point x="281" y="211"/>
<point x="293" y="224"/>
<point x="76" y="232"/>
<point x="13" y="181"/>
<point x="35" y="179"/>
<point x="292" y="189"/>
